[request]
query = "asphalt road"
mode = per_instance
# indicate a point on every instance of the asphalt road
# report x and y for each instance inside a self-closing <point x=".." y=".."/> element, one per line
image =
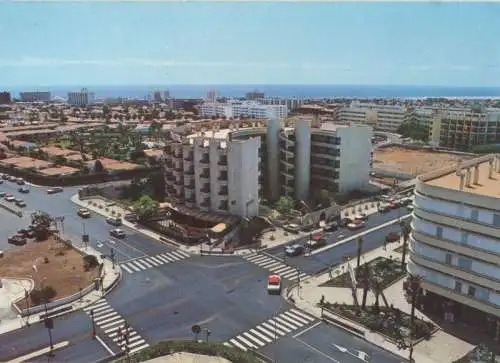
<point x="59" y="205"/>
<point x="312" y="264"/>
<point x="316" y="345"/>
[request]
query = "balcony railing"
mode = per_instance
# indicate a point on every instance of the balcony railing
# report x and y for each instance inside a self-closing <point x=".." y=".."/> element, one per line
<point x="189" y="171"/>
<point x="205" y="190"/>
<point x="223" y="191"/>
<point x="205" y="175"/>
<point x="204" y="160"/>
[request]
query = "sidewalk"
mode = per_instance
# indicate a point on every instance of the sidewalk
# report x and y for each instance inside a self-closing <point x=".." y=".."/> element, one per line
<point x="13" y="290"/>
<point x="441" y="348"/>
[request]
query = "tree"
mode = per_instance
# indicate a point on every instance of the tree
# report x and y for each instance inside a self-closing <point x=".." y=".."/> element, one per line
<point x="359" y="244"/>
<point x="284" y="205"/>
<point x="413" y="129"/>
<point x="405" y="231"/>
<point x="98" y="168"/>
<point x="41" y="222"/>
<point x="145" y="207"/>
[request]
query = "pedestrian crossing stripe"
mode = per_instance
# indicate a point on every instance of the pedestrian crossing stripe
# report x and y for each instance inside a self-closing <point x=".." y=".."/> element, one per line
<point x="271" y="330"/>
<point x="275" y="266"/>
<point x="147" y="262"/>
<point x="110" y="322"/>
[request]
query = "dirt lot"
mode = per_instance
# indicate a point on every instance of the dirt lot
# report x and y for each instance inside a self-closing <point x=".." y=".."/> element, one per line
<point x="64" y="270"/>
<point x="412" y="162"/>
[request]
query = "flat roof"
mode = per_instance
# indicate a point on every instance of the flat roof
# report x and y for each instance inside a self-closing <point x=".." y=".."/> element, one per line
<point x="485" y="187"/>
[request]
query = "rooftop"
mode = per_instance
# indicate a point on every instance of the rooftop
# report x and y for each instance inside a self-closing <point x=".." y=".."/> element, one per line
<point x="489" y="187"/>
<point x="61" y="170"/>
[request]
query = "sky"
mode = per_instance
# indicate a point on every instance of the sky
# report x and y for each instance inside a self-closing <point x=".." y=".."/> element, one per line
<point x="132" y="43"/>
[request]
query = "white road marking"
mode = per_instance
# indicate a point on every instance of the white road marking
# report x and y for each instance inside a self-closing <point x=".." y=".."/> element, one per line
<point x="307" y="329"/>
<point x="104" y="345"/>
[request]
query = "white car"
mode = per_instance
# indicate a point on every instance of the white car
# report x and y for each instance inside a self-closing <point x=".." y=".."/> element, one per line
<point x="10" y="198"/>
<point x="117" y="232"/>
<point x="274" y="284"/>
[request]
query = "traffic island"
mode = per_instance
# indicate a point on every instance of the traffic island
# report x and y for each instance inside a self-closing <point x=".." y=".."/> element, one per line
<point x="207" y="349"/>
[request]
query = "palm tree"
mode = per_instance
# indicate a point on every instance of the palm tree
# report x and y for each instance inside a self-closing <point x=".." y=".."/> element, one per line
<point x="359" y="244"/>
<point x="405" y="231"/>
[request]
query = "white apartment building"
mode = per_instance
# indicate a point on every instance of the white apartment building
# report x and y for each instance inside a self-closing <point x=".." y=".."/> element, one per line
<point x="81" y="99"/>
<point x="380" y="117"/>
<point x="455" y="242"/>
<point x="228" y="171"/>
<point x="35" y="96"/>
<point x="243" y="109"/>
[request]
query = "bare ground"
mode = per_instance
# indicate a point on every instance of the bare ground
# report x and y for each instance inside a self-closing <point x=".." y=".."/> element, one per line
<point x="414" y="162"/>
<point x="64" y="270"/>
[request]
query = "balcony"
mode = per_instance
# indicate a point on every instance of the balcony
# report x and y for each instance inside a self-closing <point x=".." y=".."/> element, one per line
<point x="205" y="190"/>
<point x="189" y="171"/>
<point x="189" y="186"/>
<point x="205" y="160"/>
<point x="223" y="191"/>
<point x="189" y="157"/>
<point x="224" y="206"/>
<point x="179" y="181"/>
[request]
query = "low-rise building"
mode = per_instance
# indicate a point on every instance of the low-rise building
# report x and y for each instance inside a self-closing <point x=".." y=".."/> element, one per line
<point x="455" y="242"/>
<point x="251" y="109"/>
<point x="35" y="96"/>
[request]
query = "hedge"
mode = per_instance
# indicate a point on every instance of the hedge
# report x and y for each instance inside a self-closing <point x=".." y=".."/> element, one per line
<point x="214" y="349"/>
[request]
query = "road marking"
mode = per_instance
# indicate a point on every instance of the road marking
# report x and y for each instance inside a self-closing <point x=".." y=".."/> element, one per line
<point x="317" y="351"/>
<point x="144" y="346"/>
<point x="297" y="312"/>
<point x="307" y="329"/>
<point x="129" y="270"/>
<point x="236" y="343"/>
<point x="104" y="345"/>
<point x="260" y="335"/>
<point x="106" y="326"/>
<point x="274" y="328"/>
<point x="243" y="340"/>
<point x="251" y="337"/>
<point x="39" y="353"/>
<point x="288" y="325"/>
<point x="348" y="239"/>
<point x="290" y="315"/>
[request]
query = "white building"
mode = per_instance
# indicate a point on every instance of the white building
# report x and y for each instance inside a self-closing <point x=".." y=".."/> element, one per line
<point x="455" y="242"/>
<point x="380" y="117"/>
<point x="36" y="96"/>
<point x="243" y="109"/>
<point x="81" y="99"/>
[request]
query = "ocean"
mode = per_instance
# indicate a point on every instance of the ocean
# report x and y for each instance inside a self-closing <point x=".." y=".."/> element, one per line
<point x="281" y="91"/>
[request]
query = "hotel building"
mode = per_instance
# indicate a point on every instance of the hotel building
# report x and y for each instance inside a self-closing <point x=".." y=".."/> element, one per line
<point x="243" y="109"/>
<point x="36" y="96"/>
<point x="380" y="117"/>
<point x="228" y="171"/>
<point x="81" y="99"/>
<point x="455" y="242"/>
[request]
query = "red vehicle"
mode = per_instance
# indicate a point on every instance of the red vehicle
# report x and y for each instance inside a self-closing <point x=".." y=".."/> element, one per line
<point x="274" y="284"/>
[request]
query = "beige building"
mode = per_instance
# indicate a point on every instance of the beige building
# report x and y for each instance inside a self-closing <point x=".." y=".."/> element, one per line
<point x="455" y="242"/>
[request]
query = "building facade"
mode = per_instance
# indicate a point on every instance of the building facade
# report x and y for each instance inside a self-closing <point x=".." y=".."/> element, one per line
<point x="243" y="109"/>
<point x="4" y="98"/>
<point x="36" y="96"/>
<point x="81" y="99"/>
<point x="230" y="170"/>
<point x="380" y="117"/>
<point x="455" y="242"/>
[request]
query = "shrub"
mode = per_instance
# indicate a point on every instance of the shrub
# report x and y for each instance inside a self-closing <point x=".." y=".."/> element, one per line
<point x="41" y="296"/>
<point x="89" y="262"/>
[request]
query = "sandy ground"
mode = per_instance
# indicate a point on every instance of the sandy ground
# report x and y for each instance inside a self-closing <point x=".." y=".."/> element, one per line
<point x="188" y="358"/>
<point x="413" y="162"/>
<point x="64" y="271"/>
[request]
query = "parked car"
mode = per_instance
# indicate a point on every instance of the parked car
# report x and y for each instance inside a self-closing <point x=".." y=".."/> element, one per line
<point x="357" y="224"/>
<point x="308" y="228"/>
<point x="84" y="213"/>
<point x="12" y="179"/>
<point x="9" y="198"/>
<point x="20" y="203"/>
<point x="114" y="221"/>
<point x="294" y="250"/>
<point x="23" y="190"/>
<point x="27" y="233"/>
<point x="344" y="222"/>
<point x="131" y="217"/>
<point x="17" y="240"/>
<point x="274" y="284"/>
<point x="20" y="181"/>
<point x="384" y="207"/>
<point x="5" y="177"/>
<point x="361" y="217"/>
<point x="332" y="227"/>
<point x="117" y="232"/>
<point x="316" y="241"/>
<point x="54" y="190"/>
<point x="292" y="228"/>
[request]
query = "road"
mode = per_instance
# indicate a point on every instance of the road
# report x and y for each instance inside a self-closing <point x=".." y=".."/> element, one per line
<point x="324" y="343"/>
<point x="312" y="264"/>
<point x="135" y="245"/>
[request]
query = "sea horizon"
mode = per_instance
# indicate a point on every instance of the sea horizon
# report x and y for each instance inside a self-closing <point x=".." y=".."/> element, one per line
<point x="313" y="91"/>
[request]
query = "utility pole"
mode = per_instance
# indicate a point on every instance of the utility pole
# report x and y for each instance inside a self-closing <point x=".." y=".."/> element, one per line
<point x="93" y="324"/>
<point x="49" y="324"/>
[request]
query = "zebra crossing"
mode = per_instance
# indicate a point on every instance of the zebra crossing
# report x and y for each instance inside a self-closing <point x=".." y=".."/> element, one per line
<point x="143" y="263"/>
<point x="275" y="266"/>
<point x="271" y="330"/>
<point x="109" y="321"/>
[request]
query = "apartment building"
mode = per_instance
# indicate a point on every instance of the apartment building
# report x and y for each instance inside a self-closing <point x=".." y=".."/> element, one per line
<point x="4" y="98"/>
<point x="291" y="103"/>
<point x="380" y="117"/>
<point x="81" y="99"/>
<point x="455" y="242"/>
<point x="35" y="96"/>
<point x="243" y="109"/>
<point x="228" y="171"/>
<point x="254" y="95"/>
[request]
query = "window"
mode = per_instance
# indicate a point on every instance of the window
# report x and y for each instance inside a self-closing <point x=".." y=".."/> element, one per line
<point x="439" y="232"/>
<point x="482" y="294"/>
<point x="474" y="214"/>
<point x="458" y="286"/>
<point x="464" y="263"/>
<point x="464" y="237"/>
<point x="471" y="291"/>
<point x="496" y="220"/>
<point x="448" y="259"/>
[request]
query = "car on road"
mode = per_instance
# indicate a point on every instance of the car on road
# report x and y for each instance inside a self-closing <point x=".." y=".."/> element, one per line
<point x="84" y="213"/>
<point x="356" y="224"/>
<point x="331" y="227"/>
<point x="294" y="250"/>
<point x="20" y="181"/>
<point x="24" y="190"/>
<point x="9" y="198"/>
<point x="114" y="221"/>
<point x="54" y="190"/>
<point x="361" y="217"/>
<point x="292" y="228"/>
<point x="131" y="217"/>
<point x="20" y="203"/>
<point x="384" y="207"/>
<point x="274" y="284"/>
<point x="117" y="232"/>
<point x="12" y="179"/>
<point x="17" y="240"/>
<point x="316" y="241"/>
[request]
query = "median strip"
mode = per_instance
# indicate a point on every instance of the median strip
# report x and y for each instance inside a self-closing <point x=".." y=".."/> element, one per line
<point x="348" y="239"/>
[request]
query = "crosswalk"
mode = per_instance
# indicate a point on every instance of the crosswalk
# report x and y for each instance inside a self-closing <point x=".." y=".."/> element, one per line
<point x="275" y="266"/>
<point x="271" y="330"/>
<point x="109" y="321"/>
<point x="143" y="263"/>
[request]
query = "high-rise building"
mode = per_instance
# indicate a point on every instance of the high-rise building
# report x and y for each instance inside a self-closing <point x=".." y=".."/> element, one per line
<point x="81" y="99"/>
<point x="35" y="96"/>
<point x="4" y="98"/>
<point x="254" y="95"/>
<point x="212" y="95"/>
<point x="455" y="242"/>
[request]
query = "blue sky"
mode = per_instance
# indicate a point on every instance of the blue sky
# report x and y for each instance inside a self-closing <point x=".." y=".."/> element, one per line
<point x="250" y="43"/>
